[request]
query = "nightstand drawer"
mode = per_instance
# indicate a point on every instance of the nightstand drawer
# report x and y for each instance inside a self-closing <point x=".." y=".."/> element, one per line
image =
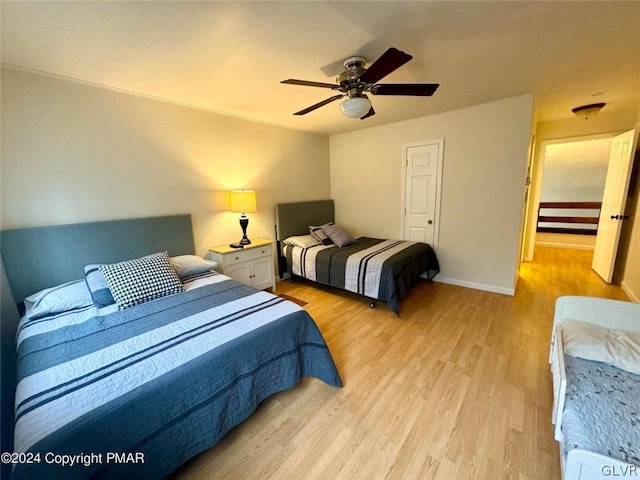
<point x="249" y="254"/>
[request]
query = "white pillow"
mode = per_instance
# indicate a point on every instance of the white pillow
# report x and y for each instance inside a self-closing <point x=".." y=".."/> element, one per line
<point x="58" y="299"/>
<point x="186" y="265"/>
<point x="303" y="241"/>
<point x="619" y="348"/>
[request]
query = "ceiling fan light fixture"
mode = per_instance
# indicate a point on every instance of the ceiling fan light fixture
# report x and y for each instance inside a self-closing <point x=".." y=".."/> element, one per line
<point x="355" y="107"/>
<point x="587" y="111"/>
<point x="356" y="81"/>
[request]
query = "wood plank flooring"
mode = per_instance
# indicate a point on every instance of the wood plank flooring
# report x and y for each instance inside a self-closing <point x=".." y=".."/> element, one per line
<point x="457" y="387"/>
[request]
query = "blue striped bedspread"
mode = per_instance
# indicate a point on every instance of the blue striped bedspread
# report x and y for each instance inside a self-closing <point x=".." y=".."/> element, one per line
<point x="162" y="381"/>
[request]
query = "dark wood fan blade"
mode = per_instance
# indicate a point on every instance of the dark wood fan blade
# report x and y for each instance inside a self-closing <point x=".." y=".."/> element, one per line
<point x="370" y="113"/>
<point x="415" y="89"/>
<point x="318" y="105"/>
<point x="305" y="83"/>
<point x="383" y="66"/>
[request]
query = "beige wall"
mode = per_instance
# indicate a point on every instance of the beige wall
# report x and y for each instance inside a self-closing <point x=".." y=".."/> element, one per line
<point x="74" y="153"/>
<point x="484" y="170"/>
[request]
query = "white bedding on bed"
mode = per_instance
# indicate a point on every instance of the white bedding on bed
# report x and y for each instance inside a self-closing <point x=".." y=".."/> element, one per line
<point x="303" y="260"/>
<point x="601" y="410"/>
<point x="618" y="348"/>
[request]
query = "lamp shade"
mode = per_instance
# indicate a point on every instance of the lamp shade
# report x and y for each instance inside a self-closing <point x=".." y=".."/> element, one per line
<point x="242" y="201"/>
<point x="355" y="107"/>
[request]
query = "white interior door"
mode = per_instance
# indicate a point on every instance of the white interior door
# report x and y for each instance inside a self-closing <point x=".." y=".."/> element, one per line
<point x="421" y="190"/>
<point x="613" y="203"/>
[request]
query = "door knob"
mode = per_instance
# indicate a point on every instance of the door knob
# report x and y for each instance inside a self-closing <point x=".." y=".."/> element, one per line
<point x="614" y="217"/>
<point x="430" y="222"/>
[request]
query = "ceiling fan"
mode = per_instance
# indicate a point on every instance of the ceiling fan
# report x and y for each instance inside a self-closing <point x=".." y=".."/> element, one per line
<point x="356" y="80"/>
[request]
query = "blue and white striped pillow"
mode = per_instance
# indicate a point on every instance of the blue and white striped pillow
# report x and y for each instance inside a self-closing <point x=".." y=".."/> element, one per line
<point x="98" y="286"/>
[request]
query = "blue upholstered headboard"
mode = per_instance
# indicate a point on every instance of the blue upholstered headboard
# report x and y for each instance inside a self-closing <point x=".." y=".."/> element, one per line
<point x="41" y="257"/>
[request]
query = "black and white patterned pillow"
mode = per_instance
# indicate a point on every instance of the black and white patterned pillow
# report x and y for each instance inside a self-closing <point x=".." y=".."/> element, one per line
<point x="338" y="235"/>
<point x="142" y="279"/>
<point x="316" y="231"/>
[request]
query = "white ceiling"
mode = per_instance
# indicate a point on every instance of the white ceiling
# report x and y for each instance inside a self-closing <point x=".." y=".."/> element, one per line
<point x="230" y="56"/>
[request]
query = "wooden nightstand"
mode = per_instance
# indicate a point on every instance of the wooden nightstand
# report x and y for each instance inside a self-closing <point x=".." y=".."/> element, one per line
<point x="252" y="265"/>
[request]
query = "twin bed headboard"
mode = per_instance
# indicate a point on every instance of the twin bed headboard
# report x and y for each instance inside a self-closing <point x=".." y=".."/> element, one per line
<point x="41" y="257"/>
<point x="295" y="218"/>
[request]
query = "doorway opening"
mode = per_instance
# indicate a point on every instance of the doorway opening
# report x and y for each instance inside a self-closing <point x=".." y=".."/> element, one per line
<point x="572" y="180"/>
<point x="611" y="215"/>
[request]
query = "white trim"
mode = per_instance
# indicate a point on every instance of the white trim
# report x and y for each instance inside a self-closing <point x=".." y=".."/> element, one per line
<point x="634" y="298"/>
<point x="436" y="209"/>
<point x="476" y="286"/>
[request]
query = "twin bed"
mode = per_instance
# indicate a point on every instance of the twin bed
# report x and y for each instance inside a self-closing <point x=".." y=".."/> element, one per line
<point x="136" y="392"/>
<point x="374" y="268"/>
<point x="595" y="363"/>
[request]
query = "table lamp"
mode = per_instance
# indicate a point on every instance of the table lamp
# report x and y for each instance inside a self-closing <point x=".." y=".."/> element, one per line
<point x="243" y="201"/>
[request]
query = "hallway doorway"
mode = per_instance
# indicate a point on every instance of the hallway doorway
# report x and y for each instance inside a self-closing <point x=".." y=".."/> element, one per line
<point x="573" y="173"/>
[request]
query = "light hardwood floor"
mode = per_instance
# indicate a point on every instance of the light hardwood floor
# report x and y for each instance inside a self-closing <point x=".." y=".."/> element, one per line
<point x="457" y="387"/>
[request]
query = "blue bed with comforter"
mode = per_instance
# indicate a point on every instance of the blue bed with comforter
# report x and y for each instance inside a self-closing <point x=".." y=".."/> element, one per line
<point x="161" y="381"/>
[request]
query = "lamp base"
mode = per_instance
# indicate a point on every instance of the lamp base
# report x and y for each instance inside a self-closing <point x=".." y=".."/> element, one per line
<point x="244" y="223"/>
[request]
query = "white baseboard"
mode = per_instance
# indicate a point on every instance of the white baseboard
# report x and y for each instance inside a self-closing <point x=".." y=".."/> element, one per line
<point x="474" y="285"/>
<point x="564" y="245"/>
<point x="632" y="295"/>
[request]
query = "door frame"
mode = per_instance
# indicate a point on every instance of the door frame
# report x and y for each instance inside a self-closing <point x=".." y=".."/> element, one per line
<point x="436" y="208"/>
<point x="536" y="185"/>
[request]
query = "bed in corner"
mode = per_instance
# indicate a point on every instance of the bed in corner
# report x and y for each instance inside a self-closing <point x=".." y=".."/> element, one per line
<point x="378" y="269"/>
<point x="135" y="392"/>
